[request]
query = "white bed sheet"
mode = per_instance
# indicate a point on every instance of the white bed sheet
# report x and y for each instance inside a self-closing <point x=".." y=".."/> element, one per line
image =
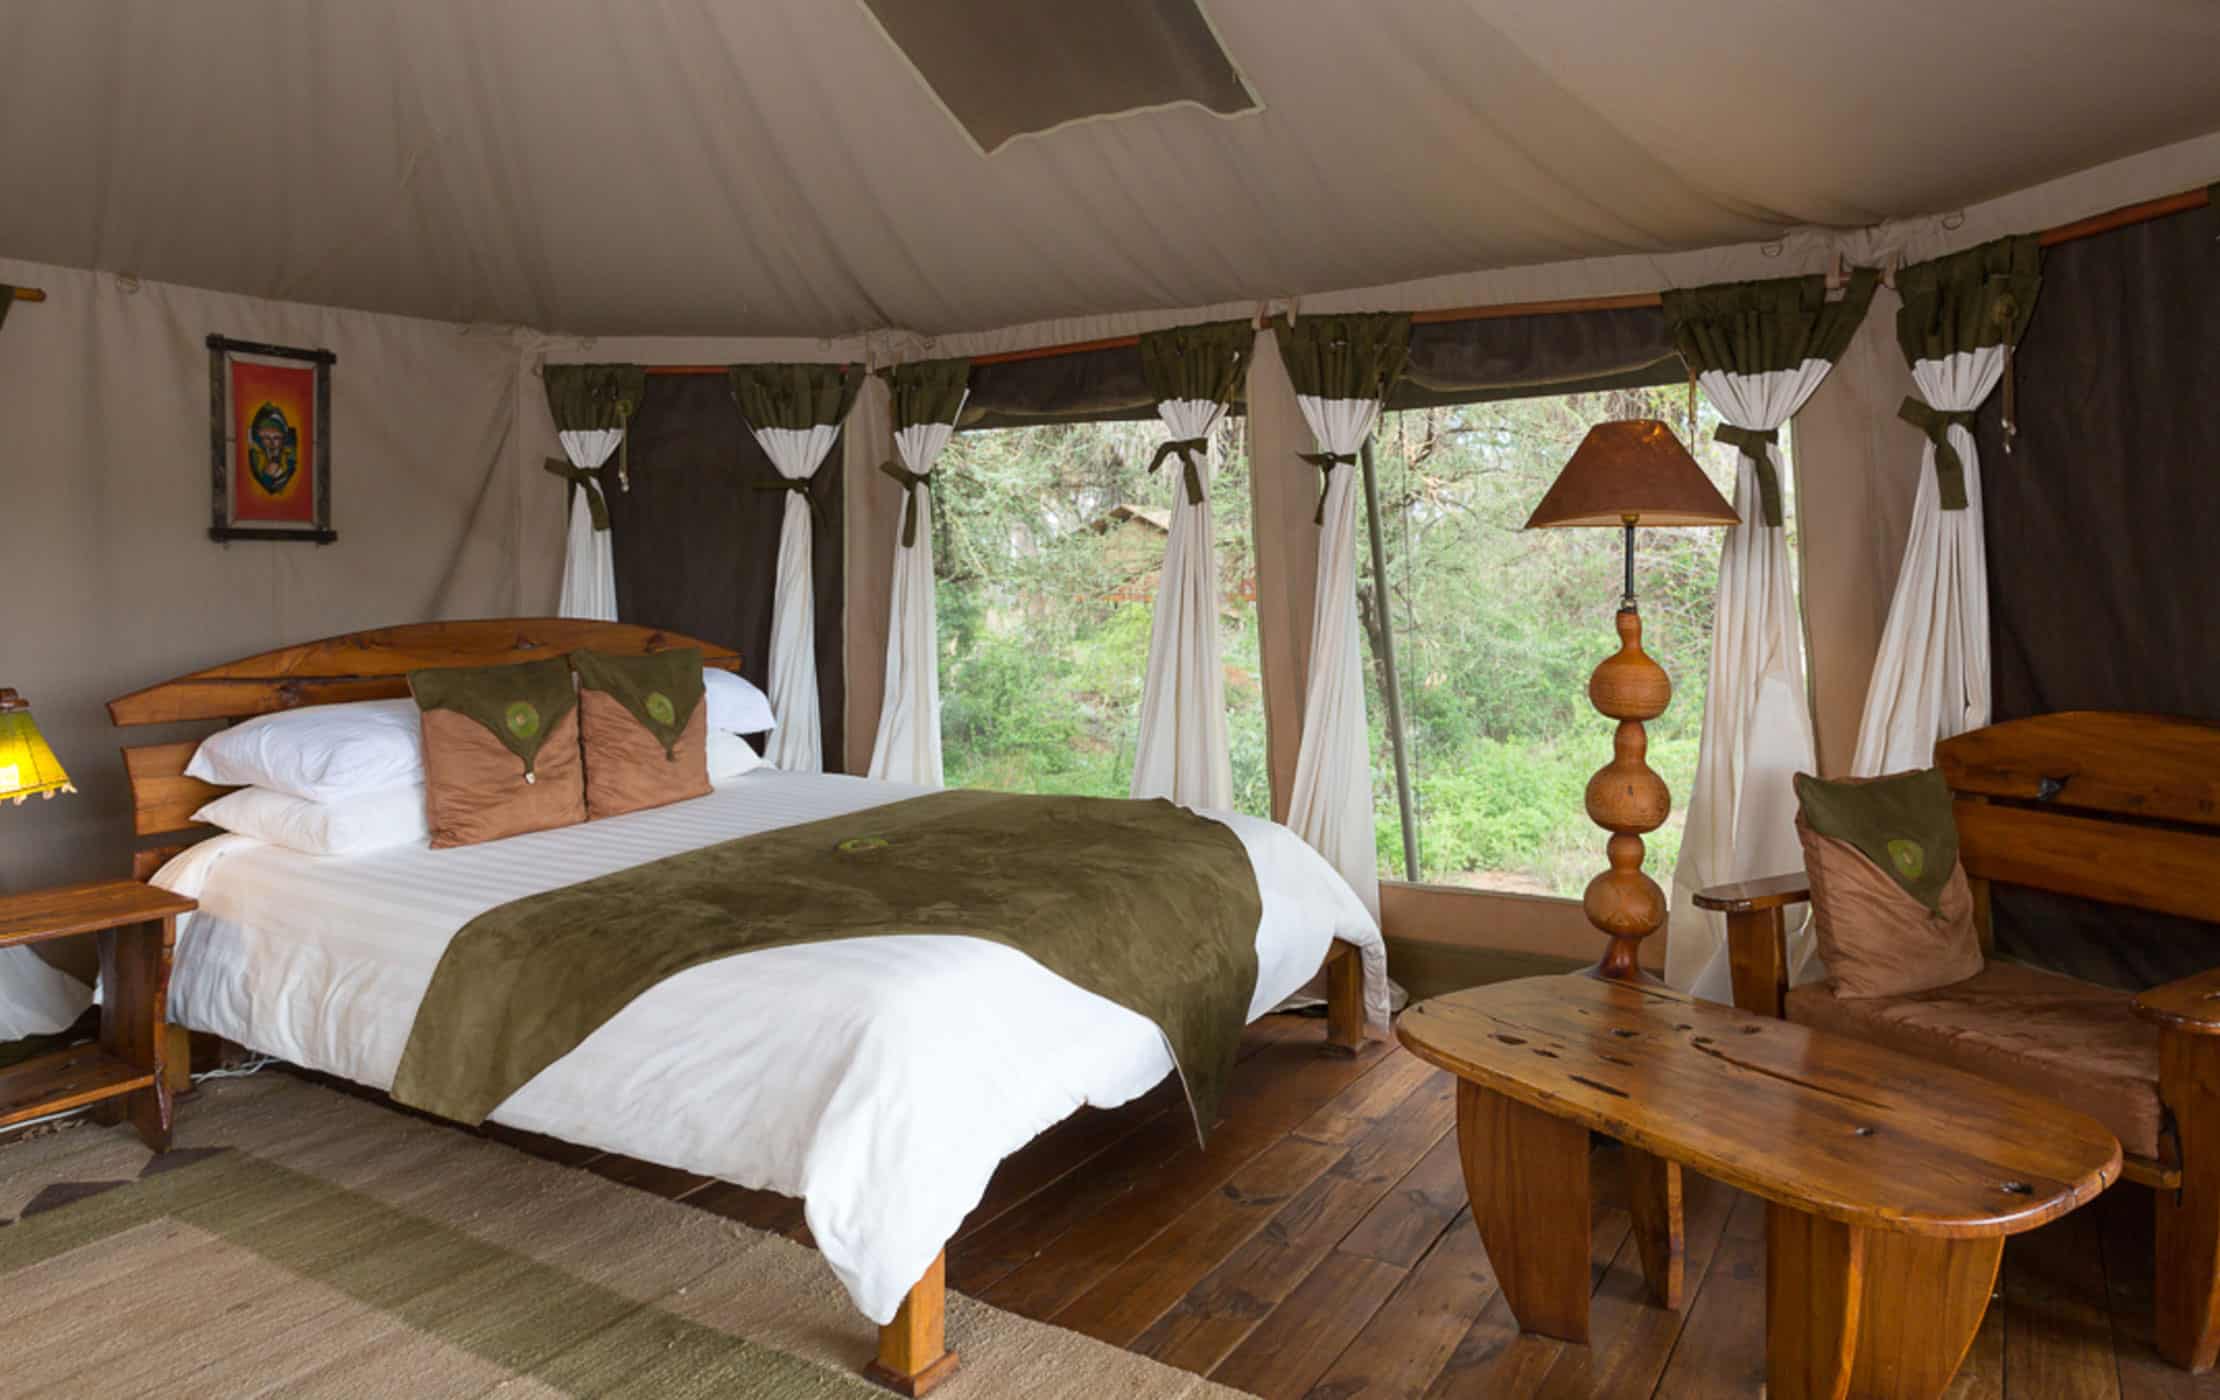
<point x="879" y="1079"/>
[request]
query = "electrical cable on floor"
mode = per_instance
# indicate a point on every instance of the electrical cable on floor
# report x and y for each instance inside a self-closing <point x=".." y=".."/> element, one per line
<point x="240" y="1071"/>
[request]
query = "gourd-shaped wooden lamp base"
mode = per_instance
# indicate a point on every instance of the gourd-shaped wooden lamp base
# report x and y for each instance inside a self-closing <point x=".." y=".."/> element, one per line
<point x="1627" y="799"/>
<point x="1625" y="474"/>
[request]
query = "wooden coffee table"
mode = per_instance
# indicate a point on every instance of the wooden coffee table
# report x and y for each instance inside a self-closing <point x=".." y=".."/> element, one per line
<point x="1890" y="1183"/>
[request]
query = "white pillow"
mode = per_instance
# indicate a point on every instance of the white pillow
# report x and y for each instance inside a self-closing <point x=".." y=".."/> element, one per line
<point x="369" y="821"/>
<point x="319" y="752"/>
<point x="730" y="756"/>
<point x="735" y="705"/>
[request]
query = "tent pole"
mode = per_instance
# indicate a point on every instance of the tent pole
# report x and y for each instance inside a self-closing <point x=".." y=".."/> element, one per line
<point x="1394" y="686"/>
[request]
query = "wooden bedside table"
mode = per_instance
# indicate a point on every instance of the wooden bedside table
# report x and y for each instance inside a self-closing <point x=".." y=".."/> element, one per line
<point x="125" y="1073"/>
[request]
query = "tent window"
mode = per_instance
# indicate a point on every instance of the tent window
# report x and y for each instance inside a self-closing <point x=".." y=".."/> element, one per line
<point x="1050" y="541"/>
<point x="1495" y="630"/>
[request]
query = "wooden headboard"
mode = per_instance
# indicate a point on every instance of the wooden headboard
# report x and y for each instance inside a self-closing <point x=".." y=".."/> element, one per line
<point x="370" y="665"/>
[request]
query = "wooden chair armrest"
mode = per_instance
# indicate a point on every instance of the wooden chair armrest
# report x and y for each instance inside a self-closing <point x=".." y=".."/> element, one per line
<point x="2191" y="1005"/>
<point x="1749" y="896"/>
<point x="1757" y="936"/>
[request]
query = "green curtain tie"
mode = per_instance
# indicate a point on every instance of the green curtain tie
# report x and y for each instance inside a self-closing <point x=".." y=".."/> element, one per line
<point x="1186" y="448"/>
<point x="804" y="486"/>
<point x="1326" y="462"/>
<point x="910" y="482"/>
<point x="1950" y="469"/>
<point x="583" y="479"/>
<point x="1753" y="442"/>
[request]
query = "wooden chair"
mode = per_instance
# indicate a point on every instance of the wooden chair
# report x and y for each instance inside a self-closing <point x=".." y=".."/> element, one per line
<point x="2119" y="808"/>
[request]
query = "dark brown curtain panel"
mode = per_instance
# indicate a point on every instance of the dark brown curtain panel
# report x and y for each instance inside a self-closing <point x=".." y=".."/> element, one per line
<point x="697" y="544"/>
<point x="2101" y="526"/>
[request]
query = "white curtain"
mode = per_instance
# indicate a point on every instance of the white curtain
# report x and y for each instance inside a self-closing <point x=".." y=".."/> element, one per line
<point x="1757" y="724"/>
<point x="1181" y="753"/>
<point x="589" y="567"/>
<point x="1331" y="803"/>
<point x="907" y="749"/>
<point x="1931" y="679"/>
<point x="797" y="744"/>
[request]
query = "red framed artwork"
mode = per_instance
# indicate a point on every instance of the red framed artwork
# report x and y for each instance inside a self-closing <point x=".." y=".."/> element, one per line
<point x="270" y="433"/>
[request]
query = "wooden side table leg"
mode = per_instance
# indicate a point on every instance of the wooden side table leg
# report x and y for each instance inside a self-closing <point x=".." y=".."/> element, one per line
<point x="134" y="1018"/>
<point x="1867" y="1313"/>
<point x="1654" y="1200"/>
<point x="1527" y="1176"/>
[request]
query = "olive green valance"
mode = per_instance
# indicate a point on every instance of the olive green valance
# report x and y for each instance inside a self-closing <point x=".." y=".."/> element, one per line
<point x="589" y="398"/>
<point x="794" y="396"/>
<point x="1760" y="327"/>
<point x="1344" y="357"/>
<point x="1980" y="297"/>
<point x="927" y="391"/>
<point x="1208" y="362"/>
<point x="1492" y="359"/>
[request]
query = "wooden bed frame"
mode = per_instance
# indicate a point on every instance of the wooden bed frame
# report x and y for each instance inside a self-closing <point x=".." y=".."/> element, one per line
<point x="913" y="1356"/>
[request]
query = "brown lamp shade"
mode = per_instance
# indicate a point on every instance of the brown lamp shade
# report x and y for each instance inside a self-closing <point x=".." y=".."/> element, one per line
<point x="1632" y="471"/>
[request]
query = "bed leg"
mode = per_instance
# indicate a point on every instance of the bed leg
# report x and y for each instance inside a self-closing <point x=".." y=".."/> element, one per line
<point x="913" y="1355"/>
<point x="1344" y="999"/>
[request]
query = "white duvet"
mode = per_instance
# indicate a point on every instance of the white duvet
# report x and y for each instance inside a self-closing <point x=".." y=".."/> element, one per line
<point x="879" y="1079"/>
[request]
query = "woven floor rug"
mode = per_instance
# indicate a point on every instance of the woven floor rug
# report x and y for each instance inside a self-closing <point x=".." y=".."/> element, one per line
<point x="300" y="1242"/>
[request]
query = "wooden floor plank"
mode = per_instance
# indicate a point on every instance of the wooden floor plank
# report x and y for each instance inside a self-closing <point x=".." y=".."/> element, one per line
<point x="1207" y="1324"/>
<point x="1300" y="1338"/>
<point x="1721" y="1353"/>
<point x="1325" y="1251"/>
<point x="1410" y="1339"/>
<point x="1494" y="1358"/>
<point x="1407" y="1221"/>
<point x="1066" y="1148"/>
<point x="1354" y="1112"/>
<point x="1140" y="1290"/>
<point x="2057" y="1334"/>
<point x="2124" y="1222"/>
<point x="1630" y="1340"/>
<point x="1280" y="1088"/>
<point x="761" y="1210"/>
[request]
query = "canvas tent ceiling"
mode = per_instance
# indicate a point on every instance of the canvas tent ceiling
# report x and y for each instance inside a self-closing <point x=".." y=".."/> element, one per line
<point x="776" y="167"/>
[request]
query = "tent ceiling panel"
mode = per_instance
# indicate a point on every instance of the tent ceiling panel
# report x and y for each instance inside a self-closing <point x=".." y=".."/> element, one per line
<point x="775" y="167"/>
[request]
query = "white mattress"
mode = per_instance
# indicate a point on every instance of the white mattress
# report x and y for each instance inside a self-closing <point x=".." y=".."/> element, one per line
<point x="879" y="1079"/>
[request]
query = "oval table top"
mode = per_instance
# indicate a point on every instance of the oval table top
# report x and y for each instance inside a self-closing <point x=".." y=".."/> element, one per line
<point x="1821" y="1123"/>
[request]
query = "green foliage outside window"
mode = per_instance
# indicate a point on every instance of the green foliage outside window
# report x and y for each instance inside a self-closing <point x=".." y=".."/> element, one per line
<point x="1046" y="589"/>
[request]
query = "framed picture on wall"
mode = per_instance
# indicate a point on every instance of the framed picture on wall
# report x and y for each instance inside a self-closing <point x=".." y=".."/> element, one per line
<point x="269" y="409"/>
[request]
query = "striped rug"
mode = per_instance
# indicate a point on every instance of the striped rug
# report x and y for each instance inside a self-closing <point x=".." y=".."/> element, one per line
<point x="300" y="1242"/>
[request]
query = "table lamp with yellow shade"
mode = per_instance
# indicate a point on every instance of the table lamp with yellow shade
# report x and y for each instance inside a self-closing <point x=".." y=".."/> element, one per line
<point x="27" y="766"/>
<point x="1623" y="475"/>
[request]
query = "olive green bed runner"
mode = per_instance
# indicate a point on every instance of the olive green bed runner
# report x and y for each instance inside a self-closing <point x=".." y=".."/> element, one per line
<point x="1141" y="902"/>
